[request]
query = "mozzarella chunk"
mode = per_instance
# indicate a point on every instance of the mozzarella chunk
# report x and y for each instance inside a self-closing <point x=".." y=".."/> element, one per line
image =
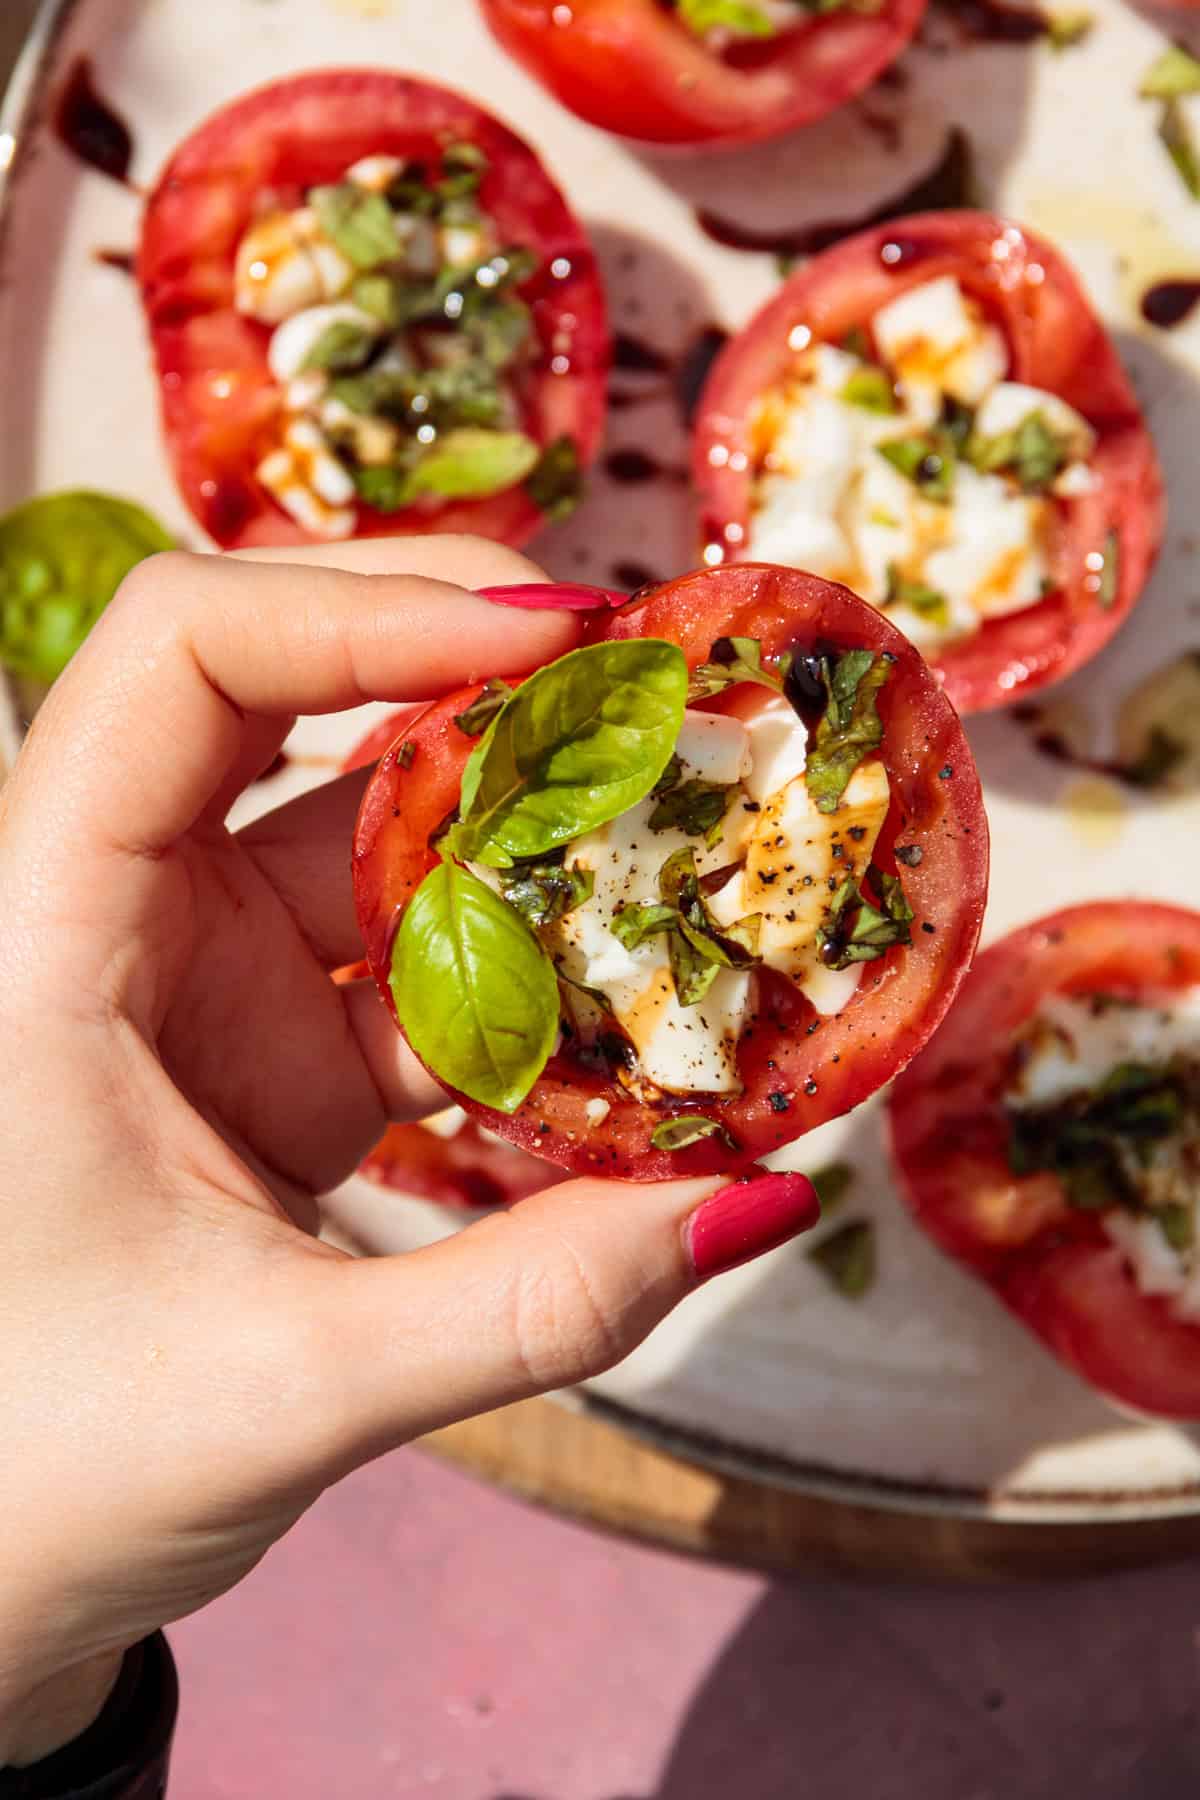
<point x="1010" y="403"/>
<point x="937" y="343"/>
<point x="993" y="561"/>
<point x="293" y="342"/>
<point x="309" y="482"/>
<point x="374" y="441"/>
<point x="375" y="173"/>
<point x="283" y="264"/>
<point x="777" y="750"/>
<point x="714" y="747"/>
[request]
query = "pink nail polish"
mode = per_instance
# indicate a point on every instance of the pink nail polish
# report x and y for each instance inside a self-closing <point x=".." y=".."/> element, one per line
<point x="747" y="1218"/>
<point x="548" y="596"/>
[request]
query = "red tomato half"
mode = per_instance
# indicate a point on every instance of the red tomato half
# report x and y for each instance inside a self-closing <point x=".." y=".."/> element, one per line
<point x="798" y="1069"/>
<point x="218" y="396"/>
<point x="1055" y="342"/>
<point x="1052" y="1264"/>
<point x="631" y="67"/>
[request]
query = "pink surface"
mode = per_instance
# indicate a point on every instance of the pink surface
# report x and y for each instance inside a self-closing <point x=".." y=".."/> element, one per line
<point x="418" y="1635"/>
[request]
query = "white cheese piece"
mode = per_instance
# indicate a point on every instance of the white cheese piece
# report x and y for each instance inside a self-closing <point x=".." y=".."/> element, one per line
<point x="304" y="392"/>
<point x="778" y="746"/>
<point x="993" y="561"/>
<point x="309" y="482"/>
<point x="283" y="264"/>
<point x="1010" y="403"/>
<point x="714" y="747"/>
<point x="684" y="1049"/>
<point x="375" y="173"/>
<point x="1078" y="1043"/>
<point x="936" y="342"/>
<point x="597" y="1110"/>
<point x="1074" y="481"/>
<point x="374" y="441"/>
<point x="464" y="245"/>
<point x="293" y="342"/>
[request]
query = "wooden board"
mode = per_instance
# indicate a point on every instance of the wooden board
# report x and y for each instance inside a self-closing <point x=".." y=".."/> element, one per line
<point x="559" y="1457"/>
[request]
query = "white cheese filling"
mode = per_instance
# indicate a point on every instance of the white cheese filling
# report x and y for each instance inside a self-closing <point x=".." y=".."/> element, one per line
<point x="825" y="499"/>
<point x="1074" y="1043"/>
<point x="789" y="860"/>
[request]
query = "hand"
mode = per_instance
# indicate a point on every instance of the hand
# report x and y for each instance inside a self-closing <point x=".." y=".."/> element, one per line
<point x="185" y="1366"/>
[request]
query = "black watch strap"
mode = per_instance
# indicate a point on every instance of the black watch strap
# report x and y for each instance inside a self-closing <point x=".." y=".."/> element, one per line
<point x="122" y="1756"/>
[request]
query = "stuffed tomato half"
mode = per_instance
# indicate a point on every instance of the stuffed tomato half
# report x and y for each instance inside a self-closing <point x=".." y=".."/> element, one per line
<point x="688" y="891"/>
<point x="931" y="413"/>
<point x="704" y="71"/>
<point x="1049" y="1140"/>
<point x="371" y="311"/>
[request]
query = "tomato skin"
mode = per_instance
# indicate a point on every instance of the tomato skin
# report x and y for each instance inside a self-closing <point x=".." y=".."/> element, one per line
<point x="629" y="67"/>
<point x="1055" y="342"/>
<point x="218" y="398"/>
<point x="467" y="1169"/>
<point x="821" y="1068"/>
<point x="1052" y="1265"/>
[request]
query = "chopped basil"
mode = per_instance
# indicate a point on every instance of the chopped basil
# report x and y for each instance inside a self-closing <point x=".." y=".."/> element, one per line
<point x="925" y="601"/>
<point x="1162" y="752"/>
<point x="698" y="947"/>
<point x="381" y="296"/>
<point x="1066" y="29"/>
<point x="633" y="924"/>
<point x="471" y="462"/>
<point x="691" y="970"/>
<point x="543" y="892"/>
<point x="382" y="486"/>
<point x="871" y="388"/>
<point x="957" y="420"/>
<point x="555" y="483"/>
<point x="360" y="223"/>
<point x="341" y="349"/>
<point x="1176" y="139"/>
<point x="832" y="1182"/>
<point x="856" y="930"/>
<point x="733" y="659"/>
<point x="928" y="462"/>
<point x="738" y="16"/>
<point x="671" y="776"/>
<point x="847" y="1258"/>
<point x="1171" y="76"/>
<point x="695" y="807"/>
<point x="850" y="727"/>
<point x="688" y="1128"/>
<point x="1110" y="571"/>
<point x="1031" y="452"/>
<point x="1096" y="1141"/>
<point x="483" y="709"/>
<point x="405" y="754"/>
<point x="463" y="168"/>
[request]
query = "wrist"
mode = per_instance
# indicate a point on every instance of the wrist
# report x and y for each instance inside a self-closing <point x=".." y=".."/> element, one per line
<point x="36" y="1722"/>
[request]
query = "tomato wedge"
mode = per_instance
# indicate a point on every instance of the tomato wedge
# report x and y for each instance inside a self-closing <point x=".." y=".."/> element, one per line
<point x="797" y="1068"/>
<point x="1052" y="1264"/>
<point x="219" y="399"/>
<point x="632" y="67"/>
<point x="1055" y="343"/>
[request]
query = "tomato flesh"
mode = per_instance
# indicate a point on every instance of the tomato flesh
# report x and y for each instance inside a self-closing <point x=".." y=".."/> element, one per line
<point x="1055" y="343"/>
<point x="798" y="1069"/>
<point x="1051" y="1264"/>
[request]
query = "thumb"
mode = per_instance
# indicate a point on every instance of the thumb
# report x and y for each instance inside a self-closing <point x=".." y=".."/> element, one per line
<point x="541" y="1296"/>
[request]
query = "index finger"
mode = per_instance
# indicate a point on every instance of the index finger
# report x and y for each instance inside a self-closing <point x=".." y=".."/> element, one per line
<point x="148" y="720"/>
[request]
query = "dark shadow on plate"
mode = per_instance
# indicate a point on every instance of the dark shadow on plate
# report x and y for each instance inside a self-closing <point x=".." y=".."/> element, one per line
<point x="637" y="522"/>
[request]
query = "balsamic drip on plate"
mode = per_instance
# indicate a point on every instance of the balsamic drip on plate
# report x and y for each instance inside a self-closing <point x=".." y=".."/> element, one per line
<point x="683" y="373"/>
<point x="121" y="260"/>
<point x="991" y="22"/>
<point x="634" y="575"/>
<point x="633" y="467"/>
<point x="89" y="127"/>
<point x="1169" y="303"/>
<point x="635" y="356"/>
<point x="947" y="184"/>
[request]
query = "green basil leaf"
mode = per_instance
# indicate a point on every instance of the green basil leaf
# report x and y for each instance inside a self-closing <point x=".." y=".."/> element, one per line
<point x="1161" y="753"/>
<point x="740" y="17"/>
<point x="1110" y="572"/>
<point x="579" y="743"/>
<point x="925" y="601"/>
<point x="381" y="297"/>
<point x="698" y="946"/>
<point x="342" y="348"/>
<point x="633" y="924"/>
<point x="733" y="659"/>
<point x="382" y="486"/>
<point x="1176" y="138"/>
<point x="689" y="1128"/>
<point x="464" y="166"/>
<point x="555" y="484"/>
<point x="62" y="558"/>
<point x="847" y="1258"/>
<point x="1177" y="1224"/>
<point x="697" y="807"/>
<point x="360" y="223"/>
<point x="501" y="332"/>
<point x="833" y="1183"/>
<point x="544" y="892"/>
<point x="850" y="727"/>
<point x="1171" y="76"/>
<point x="484" y="708"/>
<point x="692" y="970"/>
<point x="474" y="990"/>
<point x="671" y="776"/>
<point x="928" y="462"/>
<point x="871" y="388"/>
<point x="1067" y="28"/>
<point x="1031" y="451"/>
<point x="854" y="930"/>
<point x="469" y="463"/>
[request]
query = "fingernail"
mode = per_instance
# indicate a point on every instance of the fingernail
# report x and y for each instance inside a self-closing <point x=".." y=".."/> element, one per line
<point x="746" y="1219"/>
<point x="548" y="596"/>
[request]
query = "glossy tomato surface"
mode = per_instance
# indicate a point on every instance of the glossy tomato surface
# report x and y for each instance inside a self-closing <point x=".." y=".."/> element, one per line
<point x="219" y="400"/>
<point x="1051" y="1263"/>
<point x="1055" y="342"/>
<point x="631" y="67"/>
<point x="798" y="1069"/>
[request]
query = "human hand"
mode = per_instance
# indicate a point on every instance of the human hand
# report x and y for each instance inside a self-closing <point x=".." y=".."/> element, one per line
<point x="186" y="1365"/>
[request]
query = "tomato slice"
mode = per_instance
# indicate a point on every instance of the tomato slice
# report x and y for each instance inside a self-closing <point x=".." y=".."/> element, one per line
<point x="798" y="1069"/>
<point x="466" y="1169"/>
<point x="218" y="397"/>
<point x="631" y="67"/>
<point x="1052" y="1264"/>
<point x="1055" y="343"/>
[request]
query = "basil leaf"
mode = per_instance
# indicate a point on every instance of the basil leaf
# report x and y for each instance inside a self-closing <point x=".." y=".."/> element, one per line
<point x="579" y="743"/>
<point x="733" y="659"/>
<point x="406" y="752"/>
<point x="847" y="1258"/>
<point x="1176" y="138"/>
<point x="698" y="947"/>
<point x="1171" y="76"/>
<point x="928" y="462"/>
<point x="483" y="709"/>
<point x="62" y="558"/>
<point x="1177" y="1224"/>
<point x="1110" y="572"/>
<point x="1094" y="1139"/>
<point x="871" y="388"/>
<point x="641" y="920"/>
<point x="737" y="16"/>
<point x="850" y="727"/>
<point x="463" y="168"/>
<point x="360" y="223"/>
<point x="544" y="892"/>
<point x="855" y="930"/>
<point x="555" y="483"/>
<point x="381" y="297"/>
<point x="469" y="463"/>
<point x="1031" y="451"/>
<point x="381" y="486"/>
<point x="474" y="990"/>
<point x="689" y="1128"/>
<point x="1161" y="753"/>
<point x="670" y="777"/>
<point x="341" y="348"/>
<point x="500" y="332"/>
<point x="1066" y="29"/>
<point x="926" y="602"/>
<point x="697" y="807"/>
<point x="832" y="1182"/>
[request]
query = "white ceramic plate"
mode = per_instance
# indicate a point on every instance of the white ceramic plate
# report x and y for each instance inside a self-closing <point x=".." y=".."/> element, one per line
<point x="924" y="1394"/>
